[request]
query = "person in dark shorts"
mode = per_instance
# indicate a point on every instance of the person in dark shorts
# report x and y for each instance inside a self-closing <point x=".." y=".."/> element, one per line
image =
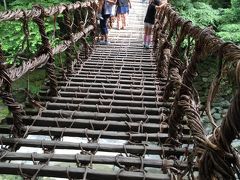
<point x="149" y="20"/>
<point x="122" y="11"/>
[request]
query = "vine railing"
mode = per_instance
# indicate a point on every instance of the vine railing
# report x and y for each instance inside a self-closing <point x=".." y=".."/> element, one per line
<point x="180" y="47"/>
<point x="79" y="21"/>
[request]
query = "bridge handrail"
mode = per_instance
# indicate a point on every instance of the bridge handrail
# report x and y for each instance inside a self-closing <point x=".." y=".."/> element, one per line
<point x="215" y="155"/>
<point x="12" y="15"/>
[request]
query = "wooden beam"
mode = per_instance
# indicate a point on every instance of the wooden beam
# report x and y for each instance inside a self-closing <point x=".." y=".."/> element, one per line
<point x="115" y="60"/>
<point x="96" y="159"/>
<point x="123" y="74"/>
<point x="98" y="116"/>
<point x="135" y="71"/>
<point x="137" y="83"/>
<point x="115" y="76"/>
<point x="127" y="148"/>
<point x="120" y="61"/>
<point x="107" y="101"/>
<point x="104" y="89"/>
<point x="104" y="84"/>
<point x="105" y="96"/>
<point x="107" y="108"/>
<point x="95" y="134"/>
<point x="76" y="173"/>
<point x="97" y="125"/>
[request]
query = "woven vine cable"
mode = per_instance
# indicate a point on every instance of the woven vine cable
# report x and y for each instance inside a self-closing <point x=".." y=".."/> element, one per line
<point x="217" y="158"/>
<point x="7" y="97"/>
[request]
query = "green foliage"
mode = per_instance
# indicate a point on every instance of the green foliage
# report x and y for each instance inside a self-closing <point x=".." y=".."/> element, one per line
<point x="230" y="28"/>
<point x="26" y="4"/>
<point x="235" y="4"/>
<point x="33" y="80"/>
<point x="183" y="5"/>
<point x="10" y="177"/>
<point x="202" y="14"/>
<point x="12" y="38"/>
<point x="224" y="21"/>
<point x="229" y="36"/>
<point x="220" y="3"/>
<point x="3" y="112"/>
<point x="13" y="177"/>
<point x="229" y="24"/>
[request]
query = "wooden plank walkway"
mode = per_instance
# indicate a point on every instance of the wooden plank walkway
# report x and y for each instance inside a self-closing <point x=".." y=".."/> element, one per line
<point x="105" y="123"/>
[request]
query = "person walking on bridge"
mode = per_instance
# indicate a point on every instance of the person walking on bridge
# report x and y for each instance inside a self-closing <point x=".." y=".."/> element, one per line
<point x="149" y="20"/>
<point x="122" y="11"/>
<point x="106" y="10"/>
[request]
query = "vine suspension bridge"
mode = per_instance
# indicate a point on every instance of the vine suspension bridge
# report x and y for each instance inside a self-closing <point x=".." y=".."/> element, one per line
<point x="118" y="111"/>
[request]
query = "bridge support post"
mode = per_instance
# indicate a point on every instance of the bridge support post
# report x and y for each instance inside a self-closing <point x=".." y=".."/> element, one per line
<point x="7" y="97"/>
<point x="69" y="52"/>
<point x="46" y="48"/>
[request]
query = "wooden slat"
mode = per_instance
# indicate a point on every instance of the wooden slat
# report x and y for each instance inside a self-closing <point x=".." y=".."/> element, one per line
<point x="114" y="76"/>
<point x="120" y="66"/>
<point x="94" y="83"/>
<point x="113" y="101"/>
<point x="118" y="70"/>
<point x="97" y="125"/>
<point x="98" y="116"/>
<point x="123" y="74"/>
<point x="106" y="95"/>
<point x="106" y="108"/>
<point x="116" y="62"/>
<point x="128" y="90"/>
<point x="124" y="82"/>
<point x="77" y="173"/>
<point x="132" y="149"/>
<point x="95" y="159"/>
<point x="95" y="134"/>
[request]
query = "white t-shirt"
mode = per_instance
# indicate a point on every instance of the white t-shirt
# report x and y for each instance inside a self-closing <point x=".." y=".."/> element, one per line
<point x="108" y="8"/>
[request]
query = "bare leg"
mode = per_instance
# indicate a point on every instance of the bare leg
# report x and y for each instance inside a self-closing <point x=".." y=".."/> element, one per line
<point x="124" y="20"/>
<point x="118" y="20"/>
<point x="106" y="37"/>
<point x="100" y="5"/>
<point x="145" y="35"/>
<point x="149" y="33"/>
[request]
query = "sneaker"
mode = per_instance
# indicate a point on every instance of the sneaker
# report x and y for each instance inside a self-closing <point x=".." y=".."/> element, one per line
<point x="104" y="42"/>
<point x="99" y="42"/>
<point x="99" y="16"/>
<point x="107" y="43"/>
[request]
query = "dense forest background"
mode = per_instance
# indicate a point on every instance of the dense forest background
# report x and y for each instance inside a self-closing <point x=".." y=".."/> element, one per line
<point x="221" y="15"/>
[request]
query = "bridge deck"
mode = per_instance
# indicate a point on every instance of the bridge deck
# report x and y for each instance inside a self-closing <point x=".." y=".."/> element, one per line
<point x="105" y="123"/>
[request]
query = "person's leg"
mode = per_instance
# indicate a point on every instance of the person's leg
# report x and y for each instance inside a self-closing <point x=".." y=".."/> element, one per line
<point x="118" y="20"/>
<point x="110" y="22"/>
<point x="145" y="34"/>
<point x="149" y="33"/>
<point x="124" y="20"/>
<point x="104" y="28"/>
<point x="99" y="10"/>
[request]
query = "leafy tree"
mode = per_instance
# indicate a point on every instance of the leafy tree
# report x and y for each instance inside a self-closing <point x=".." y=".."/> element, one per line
<point x="202" y="14"/>
<point x="26" y="4"/>
<point x="220" y="3"/>
<point x="223" y="15"/>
